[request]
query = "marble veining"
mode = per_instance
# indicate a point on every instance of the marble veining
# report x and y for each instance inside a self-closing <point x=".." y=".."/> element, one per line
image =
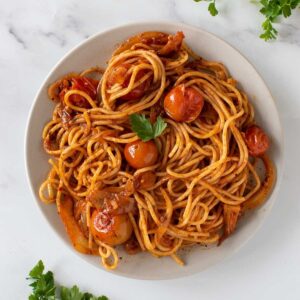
<point x="13" y="32"/>
<point x="58" y="38"/>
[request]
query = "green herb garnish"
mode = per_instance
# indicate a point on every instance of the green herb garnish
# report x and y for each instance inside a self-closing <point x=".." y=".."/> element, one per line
<point x="44" y="288"/>
<point x="271" y="9"/>
<point x="75" y="294"/>
<point x="144" y="129"/>
<point x="211" y="6"/>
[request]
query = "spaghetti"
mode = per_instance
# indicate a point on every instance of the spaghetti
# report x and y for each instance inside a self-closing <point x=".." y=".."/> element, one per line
<point x="189" y="185"/>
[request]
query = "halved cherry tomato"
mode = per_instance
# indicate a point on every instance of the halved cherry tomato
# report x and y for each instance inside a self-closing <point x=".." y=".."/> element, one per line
<point x="141" y="154"/>
<point x="183" y="104"/>
<point x="256" y="140"/>
<point x="73" y="228"/>
<point x="87" y="85"/>
<point x="119" y="75"/>
<point x="112" y="230"/>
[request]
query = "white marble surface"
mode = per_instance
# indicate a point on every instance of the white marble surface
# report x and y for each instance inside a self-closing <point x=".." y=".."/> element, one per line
<point x="34" y="35"/>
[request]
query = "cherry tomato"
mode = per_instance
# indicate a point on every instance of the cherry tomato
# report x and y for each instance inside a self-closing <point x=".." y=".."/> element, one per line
<point x="141" y="154"/>
<point x="119" y="75"/>
<point x="112" y="230"/>
<point x="87" y="85"/>
<point x="183" y="104"/>
<point x="257" y="141"/>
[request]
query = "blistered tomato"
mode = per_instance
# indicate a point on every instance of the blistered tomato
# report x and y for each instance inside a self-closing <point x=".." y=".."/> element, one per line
<point x="141" y="154"/>
<point x="109" y="229"/>
<point x="257" y="141"/>
<point x="183" y="104"/>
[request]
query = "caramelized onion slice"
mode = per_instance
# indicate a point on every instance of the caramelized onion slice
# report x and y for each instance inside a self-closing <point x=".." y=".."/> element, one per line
<point x="266" y="187"/>
<point x="76" y="236"/>
<point x="231" y="214"/>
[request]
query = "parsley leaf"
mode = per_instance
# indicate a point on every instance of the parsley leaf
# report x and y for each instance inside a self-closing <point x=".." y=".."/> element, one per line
<point x="211" y="7"/>
<point x="159" y="126"/>
<point x="70" y="294"/>
<point x="37" y="270"/>
<point x="141" y="126"/>
<point x="43" y="287"/>
<point x="144" y="129"/>
<point x="75" y="294"/>
<point x="269" y="31"/>
<point x="88" y="296"/>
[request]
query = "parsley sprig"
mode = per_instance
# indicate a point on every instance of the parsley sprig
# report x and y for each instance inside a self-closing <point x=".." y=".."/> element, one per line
<point x="44" y="288"/>
<point x="144" y="129"/>
<point x="271" y="9"/>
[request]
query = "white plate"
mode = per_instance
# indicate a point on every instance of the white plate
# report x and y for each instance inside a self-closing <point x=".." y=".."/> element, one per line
<point x="95" y="51"/>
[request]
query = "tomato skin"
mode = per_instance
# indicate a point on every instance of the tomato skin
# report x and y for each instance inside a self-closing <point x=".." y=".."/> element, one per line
<point x="119" y="75"/>
<point x="87" y="85"/>
<point x="141" y="154"/>
<point x="256" y="140"/>
<point x="112" y="230"/>
<point x="183" y="104"/>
